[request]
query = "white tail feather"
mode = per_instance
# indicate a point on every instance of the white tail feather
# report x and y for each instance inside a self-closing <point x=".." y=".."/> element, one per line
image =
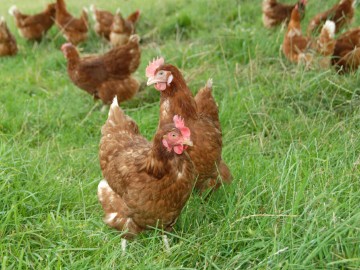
<point x="92" y="8"/>
<point x="329" y="26"/>
<point x="2" y="19"/>
<point x="12" y="10"/>
<point x="114" y="104"/>
<point x="209" y="83"/>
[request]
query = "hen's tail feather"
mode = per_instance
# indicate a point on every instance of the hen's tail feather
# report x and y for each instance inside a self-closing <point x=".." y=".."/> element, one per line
<point x="206" y="104"/>
<point x="134" y="17"/>
<point x="13" y="10"/>
<point x="117" y="119"/>
<point x="225" y="173"/>
<point x="92" y="8"/>
<point x="329" y="28"/>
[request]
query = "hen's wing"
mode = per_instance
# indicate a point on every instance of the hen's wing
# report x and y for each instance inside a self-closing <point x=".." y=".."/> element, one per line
<point x="206" y="104"/>
<point x="75" y="25"/>
<point x="69" y="23"/>
<point x="32" y="20"/>
<point x="121" y="144"/>
<point x="89" y="73"/>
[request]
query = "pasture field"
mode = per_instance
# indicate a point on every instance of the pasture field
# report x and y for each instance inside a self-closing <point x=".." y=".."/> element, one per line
<point x="291" y="139"/>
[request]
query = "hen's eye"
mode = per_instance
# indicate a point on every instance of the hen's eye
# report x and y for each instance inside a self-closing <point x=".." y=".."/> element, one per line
<point x="161" y="73"/>
<point x="174" y="135"/>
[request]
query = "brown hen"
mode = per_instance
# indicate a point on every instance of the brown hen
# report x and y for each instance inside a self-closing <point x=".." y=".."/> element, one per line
<point x="7" y="40"/>
<point x="201" y="114"/>
<point x="341" y="13"/>
<point x="74" y="30"/>
<point x="301" y="49"/>
<point x="103" y="21"/>
<point x="121" y="29"/>
<point x="108" y="75"/>
<point x="146" y="184"/>
<point x="346" y="55"/>
<point x="275" y="13"/>
<point x="34" y="27"/>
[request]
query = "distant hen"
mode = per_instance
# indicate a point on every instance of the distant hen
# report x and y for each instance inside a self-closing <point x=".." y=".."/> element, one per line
<point x="74" y="30"/>
<point x="34" y="27"/>
<point x="108" y="75"/>
<point x="275" y="13"/>
<point x="7" y="40"/>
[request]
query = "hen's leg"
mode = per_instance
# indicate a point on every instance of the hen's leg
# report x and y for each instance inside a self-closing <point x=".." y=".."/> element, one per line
<point x="123" y="245"/>
<point x="166" y="243"/>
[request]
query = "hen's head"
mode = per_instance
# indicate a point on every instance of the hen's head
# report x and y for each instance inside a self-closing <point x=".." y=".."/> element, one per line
<point x="295" y="14"/>
<point x="51" y="8"/>
<point x="69" y="50"/>
<point x="177" y="136"/>
<point x="161" y="75"/>
<point x="301" y="7"/>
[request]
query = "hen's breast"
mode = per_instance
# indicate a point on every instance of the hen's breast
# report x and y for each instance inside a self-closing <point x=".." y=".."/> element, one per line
<point x="150" y="201"/>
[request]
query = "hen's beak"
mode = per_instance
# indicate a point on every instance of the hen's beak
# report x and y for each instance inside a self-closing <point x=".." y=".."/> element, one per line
<point x="188" y="142"/>
<point x="152" y="80"/>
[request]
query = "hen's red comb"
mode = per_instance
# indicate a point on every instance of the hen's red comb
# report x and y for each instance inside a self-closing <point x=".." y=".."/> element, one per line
<point x="178" y="121"/>
<point x="66" y="45"/>
<point x="180" y="124"/>
<point x="152" y="67"/>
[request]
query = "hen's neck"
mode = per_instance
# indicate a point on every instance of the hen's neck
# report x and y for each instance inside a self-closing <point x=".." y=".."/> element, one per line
<point x="159" y="159"/>
<point x="177" y="99"/>
<point x="73" y="62"/>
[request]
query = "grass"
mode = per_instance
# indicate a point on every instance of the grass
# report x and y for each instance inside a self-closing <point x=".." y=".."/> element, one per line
<point x="291" y="139"/>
